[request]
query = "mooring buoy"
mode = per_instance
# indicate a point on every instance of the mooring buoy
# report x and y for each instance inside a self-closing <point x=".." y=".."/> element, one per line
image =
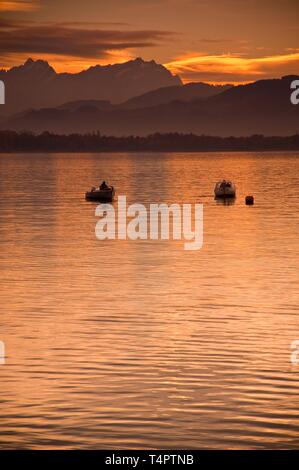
<point x="249" y="200"/>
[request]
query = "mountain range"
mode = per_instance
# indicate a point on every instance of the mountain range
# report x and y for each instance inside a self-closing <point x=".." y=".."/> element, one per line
<point x="35" y="84"/>
<point x="164" y="104"/>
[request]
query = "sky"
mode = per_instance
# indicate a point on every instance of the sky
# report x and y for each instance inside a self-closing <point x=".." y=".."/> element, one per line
<point x="219" y="41"/>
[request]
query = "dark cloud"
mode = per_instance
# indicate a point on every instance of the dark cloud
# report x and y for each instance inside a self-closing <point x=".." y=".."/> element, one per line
<point x="72" y="40"/>
<point x="215" y="41"/>
<point x="7" y="24"/>
<point x="92" y="23"/>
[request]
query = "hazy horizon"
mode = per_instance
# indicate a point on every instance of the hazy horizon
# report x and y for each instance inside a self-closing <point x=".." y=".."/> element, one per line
<point x="61" y="71"/>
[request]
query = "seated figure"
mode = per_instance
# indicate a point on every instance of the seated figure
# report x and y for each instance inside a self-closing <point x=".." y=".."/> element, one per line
<point x="104" y="185"/>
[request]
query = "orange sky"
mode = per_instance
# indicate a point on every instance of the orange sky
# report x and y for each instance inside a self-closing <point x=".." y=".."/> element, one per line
<point x="220" y="41"/>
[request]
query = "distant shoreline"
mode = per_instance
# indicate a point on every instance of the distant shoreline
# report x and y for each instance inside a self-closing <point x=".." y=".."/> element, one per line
<point x="14" y="142"/>
<point x="2" y="152"/>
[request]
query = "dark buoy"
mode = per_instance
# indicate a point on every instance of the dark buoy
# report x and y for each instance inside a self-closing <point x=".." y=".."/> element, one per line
<point x="249" y="200"/>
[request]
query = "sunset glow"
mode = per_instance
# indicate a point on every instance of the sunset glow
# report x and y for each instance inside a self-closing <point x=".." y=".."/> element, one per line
<point x="232" y="68"/>
<point x="18" y="6"/>
<point x="149" y="209"/>
<point x="70" y="64"/>
<point x="200" y="41"/>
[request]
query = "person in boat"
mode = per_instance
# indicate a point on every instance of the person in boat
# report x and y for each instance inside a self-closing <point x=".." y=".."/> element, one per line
<point x="104" y="186"/>
<point x="225" y="184"/>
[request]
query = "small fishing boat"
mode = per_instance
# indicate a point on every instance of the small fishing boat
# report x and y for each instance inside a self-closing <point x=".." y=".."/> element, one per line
<point x="100" y="195"/>
<point x="224" y="189"/>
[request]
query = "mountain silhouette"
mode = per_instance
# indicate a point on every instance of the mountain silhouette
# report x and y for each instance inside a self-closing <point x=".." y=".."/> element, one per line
<point x="187" y="92"/>
<point x="262" y="107"/>
<point x="35" y="84"/>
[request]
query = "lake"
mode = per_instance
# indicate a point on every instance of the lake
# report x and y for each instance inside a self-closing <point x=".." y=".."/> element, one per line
<point x="122" y="344"/>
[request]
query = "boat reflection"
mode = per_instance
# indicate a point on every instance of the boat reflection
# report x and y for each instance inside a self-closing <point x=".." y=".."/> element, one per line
<point x="226" y="201"/>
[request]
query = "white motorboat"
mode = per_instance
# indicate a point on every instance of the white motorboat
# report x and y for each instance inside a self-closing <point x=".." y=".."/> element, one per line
<point x="224" y="189"/>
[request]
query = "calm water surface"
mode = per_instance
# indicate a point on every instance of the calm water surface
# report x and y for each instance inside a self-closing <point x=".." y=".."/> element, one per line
<point x="123" y="344"/>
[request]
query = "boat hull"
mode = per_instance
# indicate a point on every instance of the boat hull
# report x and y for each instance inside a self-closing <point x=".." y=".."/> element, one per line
<point x="106" y="195"/>
<point x="225" y="192"/>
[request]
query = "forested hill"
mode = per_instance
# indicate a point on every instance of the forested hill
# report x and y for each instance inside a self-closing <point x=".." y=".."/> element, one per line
<point x="11" y="141"/>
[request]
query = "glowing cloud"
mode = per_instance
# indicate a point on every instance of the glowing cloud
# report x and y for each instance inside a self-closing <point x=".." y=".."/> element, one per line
<point x="233" y="67"/>
<point x="18" y="6"/>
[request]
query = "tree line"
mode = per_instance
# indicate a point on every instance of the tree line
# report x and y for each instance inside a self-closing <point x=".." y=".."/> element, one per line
<point x="11" y="141"/>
